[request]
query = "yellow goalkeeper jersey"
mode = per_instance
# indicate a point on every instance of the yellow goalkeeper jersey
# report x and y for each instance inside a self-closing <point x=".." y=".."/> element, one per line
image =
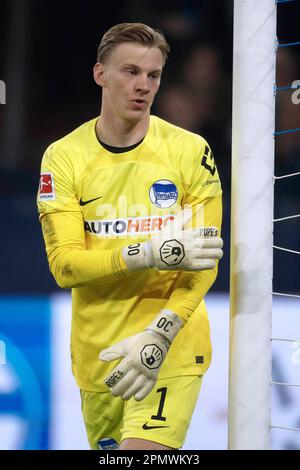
<point x="95" y="202"/>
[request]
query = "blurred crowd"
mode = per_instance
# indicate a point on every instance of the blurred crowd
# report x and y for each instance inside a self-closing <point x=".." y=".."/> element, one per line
<point x="49" y="61"/>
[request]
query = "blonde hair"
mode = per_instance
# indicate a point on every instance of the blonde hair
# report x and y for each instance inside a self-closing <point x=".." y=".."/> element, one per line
<point x="138" y="33"/>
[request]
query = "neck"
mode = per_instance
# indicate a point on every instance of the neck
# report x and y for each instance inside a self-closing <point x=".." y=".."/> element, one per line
<point x="120" y="133"/>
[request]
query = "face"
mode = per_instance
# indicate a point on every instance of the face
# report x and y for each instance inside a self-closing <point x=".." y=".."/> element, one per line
<point x="130" y="79"/>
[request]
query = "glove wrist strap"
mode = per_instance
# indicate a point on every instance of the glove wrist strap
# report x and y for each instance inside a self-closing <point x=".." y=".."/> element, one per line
<point x="134" y="256"/>
<point x="166" y="324"/>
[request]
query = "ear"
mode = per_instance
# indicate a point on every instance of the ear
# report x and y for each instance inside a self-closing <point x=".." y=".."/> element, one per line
<point x="98" y="72"/>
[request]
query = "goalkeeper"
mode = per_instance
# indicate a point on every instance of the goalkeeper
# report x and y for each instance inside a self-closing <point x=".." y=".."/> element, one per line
<point x="130" y="208"/>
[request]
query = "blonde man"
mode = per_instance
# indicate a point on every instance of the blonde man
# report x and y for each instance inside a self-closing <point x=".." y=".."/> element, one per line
<point x="112" y="197"/>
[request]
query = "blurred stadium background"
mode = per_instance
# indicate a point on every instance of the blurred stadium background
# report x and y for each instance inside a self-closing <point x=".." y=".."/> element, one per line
<point x="47" y="51"/>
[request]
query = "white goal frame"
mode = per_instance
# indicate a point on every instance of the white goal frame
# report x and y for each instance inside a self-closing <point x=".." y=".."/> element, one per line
<point x="251" y="264"/>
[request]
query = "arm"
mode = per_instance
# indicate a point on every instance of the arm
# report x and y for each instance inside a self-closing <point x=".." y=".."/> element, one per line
<point x="74" y="266"/>
<point x="70" y="263"/>
<point x="191" y="287"/>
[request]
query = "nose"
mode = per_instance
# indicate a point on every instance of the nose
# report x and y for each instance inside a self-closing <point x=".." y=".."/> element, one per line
<point x="142" y="83"/>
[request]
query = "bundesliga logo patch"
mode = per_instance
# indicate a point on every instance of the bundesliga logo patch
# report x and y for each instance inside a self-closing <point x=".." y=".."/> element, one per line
<point x="163" y="193"/>
<point x="46" y="189"/>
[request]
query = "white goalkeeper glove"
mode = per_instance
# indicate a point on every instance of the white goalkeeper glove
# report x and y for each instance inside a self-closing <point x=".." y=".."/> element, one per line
<point x="187" y="250"/>
<point x="144" y="353"/>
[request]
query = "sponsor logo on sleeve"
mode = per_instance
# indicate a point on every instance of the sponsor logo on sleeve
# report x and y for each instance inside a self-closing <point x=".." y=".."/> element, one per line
<point x="46" y="189"/>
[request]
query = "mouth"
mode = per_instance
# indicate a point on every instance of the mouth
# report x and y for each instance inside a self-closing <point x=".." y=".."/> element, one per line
<point x="139" y="103"/>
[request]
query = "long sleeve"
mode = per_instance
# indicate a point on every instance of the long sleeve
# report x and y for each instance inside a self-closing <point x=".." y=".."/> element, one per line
<point x="70" y="263"/>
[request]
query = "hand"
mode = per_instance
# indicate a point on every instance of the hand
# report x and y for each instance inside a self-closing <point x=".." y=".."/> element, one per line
<point x="187" y="250"/>
<point x="144" y="353"/>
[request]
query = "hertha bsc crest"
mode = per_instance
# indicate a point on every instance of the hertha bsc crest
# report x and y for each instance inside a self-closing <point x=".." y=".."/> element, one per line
<point x="172" y="252"/>
<point x="163" y="193"/>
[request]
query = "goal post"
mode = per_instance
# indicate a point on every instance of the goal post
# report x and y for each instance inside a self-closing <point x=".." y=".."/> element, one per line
<point x="251" y="263"/>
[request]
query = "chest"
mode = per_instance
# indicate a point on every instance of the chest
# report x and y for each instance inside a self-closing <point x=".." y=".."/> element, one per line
<point x="130" y="188"/>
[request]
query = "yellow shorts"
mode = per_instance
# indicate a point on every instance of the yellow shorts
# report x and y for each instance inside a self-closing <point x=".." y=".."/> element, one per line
<point x="163" y="416"/>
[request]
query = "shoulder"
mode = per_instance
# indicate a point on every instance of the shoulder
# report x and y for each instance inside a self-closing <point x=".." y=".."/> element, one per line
<point x="79" y="138"/>
<point x="176" y="135"/>
<point x="183" y="147"/>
